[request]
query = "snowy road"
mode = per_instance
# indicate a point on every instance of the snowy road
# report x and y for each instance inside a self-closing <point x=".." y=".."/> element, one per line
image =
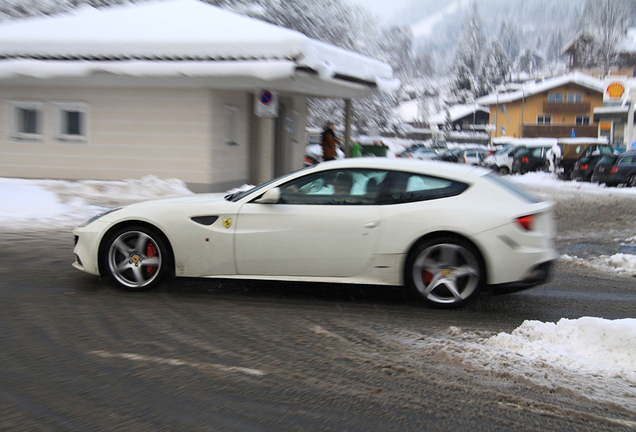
<point x="201" y="355"/>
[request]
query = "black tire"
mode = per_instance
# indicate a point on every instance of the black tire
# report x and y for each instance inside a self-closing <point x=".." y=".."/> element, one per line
<point x="445" y="272"/>
<point x="631" y="181"/>
<point x="135" y="258"/>
<point x="503" y="170"/>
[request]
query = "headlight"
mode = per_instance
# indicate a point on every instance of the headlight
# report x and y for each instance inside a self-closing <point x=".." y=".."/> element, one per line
<point x="94" y="218"/>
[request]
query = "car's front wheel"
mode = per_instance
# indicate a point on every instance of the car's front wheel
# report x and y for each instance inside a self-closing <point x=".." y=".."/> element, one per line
<point x="631" y="181"/>
<point x="445" y="271"/>
<point x="503" y="170"/>
<point x="136" y="258"/>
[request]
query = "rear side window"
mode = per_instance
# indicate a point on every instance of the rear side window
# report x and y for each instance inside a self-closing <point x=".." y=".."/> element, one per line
<point x="410" y="187"/>
<point x="629" y="160"/>
<point x="526" y="196"/>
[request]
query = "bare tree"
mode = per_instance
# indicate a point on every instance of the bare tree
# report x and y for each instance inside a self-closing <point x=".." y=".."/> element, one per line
<point x="607" y="22"/>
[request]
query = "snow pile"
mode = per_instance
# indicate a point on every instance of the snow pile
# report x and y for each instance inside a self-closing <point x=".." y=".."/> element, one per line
<point x="27" y="204"/>
<point x="549" y="183"/>
<point x="589" y="359"/>
<point x="620" y="263"/>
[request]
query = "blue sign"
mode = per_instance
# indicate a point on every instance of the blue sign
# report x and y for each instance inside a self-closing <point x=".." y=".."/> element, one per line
<point x="573" y="133"/>
<point x="266" y="97"/>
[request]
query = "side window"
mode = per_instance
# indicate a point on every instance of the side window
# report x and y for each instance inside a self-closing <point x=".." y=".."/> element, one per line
<point x="575" y="97"/>
<point x="27" y="120"/>
<point x="627" y="161"/>
<point x="71" y="121"/>
<point x="335" y="187"/>
<point x="409" y="187"/>
<point x="537" y="152"/>
<point x="555" y="97"/>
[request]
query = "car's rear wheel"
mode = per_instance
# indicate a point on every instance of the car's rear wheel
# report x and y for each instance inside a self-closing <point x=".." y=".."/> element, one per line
<point x="136" y="258"/>
<point x="503" y="170"/>
<point x="445" y="271"/>
<point x="631" y="181"/>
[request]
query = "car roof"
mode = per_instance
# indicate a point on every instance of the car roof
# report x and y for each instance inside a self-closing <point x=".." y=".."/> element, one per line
<point x="434" y="168"/>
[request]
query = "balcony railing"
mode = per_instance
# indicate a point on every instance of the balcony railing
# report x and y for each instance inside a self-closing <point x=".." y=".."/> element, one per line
<point x="578" y="108"/>
<point x="559" y="131"/>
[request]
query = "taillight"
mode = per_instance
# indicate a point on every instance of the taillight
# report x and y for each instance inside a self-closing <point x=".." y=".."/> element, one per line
<point x="525" y="160"/>
<point x="583" y="167"/>
<point x="526" y="222"/>
<point x="613" y="170"/>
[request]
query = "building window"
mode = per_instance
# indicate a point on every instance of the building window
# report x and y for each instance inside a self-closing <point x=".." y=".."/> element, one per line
<point x="503" y="109"/>
<point x="544" y="119"/>
<point x="555" y="97"/>
<point x="71" y="120"/>
<point x="231" y="113"/>
<point x="582" y="119"/>
<point x="28" y="120"/>
<point x="575" y="97"/>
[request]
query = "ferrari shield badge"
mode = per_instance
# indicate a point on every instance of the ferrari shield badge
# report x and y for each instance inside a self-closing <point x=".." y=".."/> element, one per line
<point x="227" y="222"/>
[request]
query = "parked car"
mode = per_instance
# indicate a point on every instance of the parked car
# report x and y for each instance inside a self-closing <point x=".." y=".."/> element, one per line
<point x="616" y="169"/>
<point x="528" y="159"/>
<point x="473" y="156"/>
<point x="449" y="155"/>
<point x="502" y="160"/>
<point x="584" y="167"/>
<point x="568" y="151"/>
<point x="422" y="153"/>
<point x="367" y="220"/>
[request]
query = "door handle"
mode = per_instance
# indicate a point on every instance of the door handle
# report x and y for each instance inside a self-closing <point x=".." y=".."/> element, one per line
<point x="370" y="225"/>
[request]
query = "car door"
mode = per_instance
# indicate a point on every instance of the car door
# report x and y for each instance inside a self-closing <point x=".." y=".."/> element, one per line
<point x="326" y="224"/>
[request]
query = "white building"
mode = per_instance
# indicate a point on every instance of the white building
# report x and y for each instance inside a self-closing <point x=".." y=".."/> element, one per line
<point x="175" y="89"/>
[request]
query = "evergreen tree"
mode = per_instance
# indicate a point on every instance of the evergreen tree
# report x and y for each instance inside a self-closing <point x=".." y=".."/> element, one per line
<point x="467" y="66"/>
<point x="495" y="67"/>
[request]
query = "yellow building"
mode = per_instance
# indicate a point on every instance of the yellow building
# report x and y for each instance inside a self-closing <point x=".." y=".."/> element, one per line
<point x="557" y="107"/>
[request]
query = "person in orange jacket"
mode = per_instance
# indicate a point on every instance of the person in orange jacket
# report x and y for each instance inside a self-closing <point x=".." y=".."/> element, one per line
<point x="329" y="142"/>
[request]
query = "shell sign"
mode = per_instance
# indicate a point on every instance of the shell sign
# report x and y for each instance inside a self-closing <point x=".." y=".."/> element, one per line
<point x="615" y="90"/>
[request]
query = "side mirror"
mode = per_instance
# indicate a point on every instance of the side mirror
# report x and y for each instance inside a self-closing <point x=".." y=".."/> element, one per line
<point x="272" y="196"/>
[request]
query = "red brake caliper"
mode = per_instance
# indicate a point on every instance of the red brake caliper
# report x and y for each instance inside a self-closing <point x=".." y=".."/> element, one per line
<point x="151" y="253"/>
<point x="428" y="276"/>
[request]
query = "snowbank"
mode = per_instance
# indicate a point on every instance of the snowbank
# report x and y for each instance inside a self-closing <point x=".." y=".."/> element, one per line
<point x="588" y="358"/>
<point x="29" y="204"/>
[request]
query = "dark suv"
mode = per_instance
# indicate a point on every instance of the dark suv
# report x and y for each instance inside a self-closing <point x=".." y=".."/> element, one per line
<point x="584" y="167"/>
<point x="530" y="159"/>
<point x="614" y="170"/>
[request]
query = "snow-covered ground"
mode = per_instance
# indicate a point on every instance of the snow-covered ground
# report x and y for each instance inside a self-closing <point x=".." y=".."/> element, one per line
<point x="589" y="358"/>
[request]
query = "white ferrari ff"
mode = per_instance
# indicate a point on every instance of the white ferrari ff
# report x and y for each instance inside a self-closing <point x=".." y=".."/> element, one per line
<point x="444" y="230"/>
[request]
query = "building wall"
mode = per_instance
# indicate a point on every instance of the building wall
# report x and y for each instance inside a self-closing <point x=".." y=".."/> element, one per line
<point x="229" y="167"/>
<point x="131" y="133"/>
<point x="533" y="106"/>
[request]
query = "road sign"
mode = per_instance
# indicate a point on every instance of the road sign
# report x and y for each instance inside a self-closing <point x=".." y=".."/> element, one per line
<point x="266" y="103"/>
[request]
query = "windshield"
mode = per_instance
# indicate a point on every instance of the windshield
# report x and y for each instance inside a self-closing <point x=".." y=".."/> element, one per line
<point x="503" y="150"/>
<point x="607" y="160"/>
<point x="236" y="196"/>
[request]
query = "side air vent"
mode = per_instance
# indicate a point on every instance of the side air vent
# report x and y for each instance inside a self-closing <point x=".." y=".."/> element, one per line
<point x="204" y="220"/>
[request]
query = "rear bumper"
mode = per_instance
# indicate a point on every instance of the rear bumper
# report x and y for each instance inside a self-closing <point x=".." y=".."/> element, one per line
<point x="538" y="275"/>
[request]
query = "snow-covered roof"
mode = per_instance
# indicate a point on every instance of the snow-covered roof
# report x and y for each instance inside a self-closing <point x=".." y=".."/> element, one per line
<point x="174" y="37"/>
<point x="408" y="111"/>
<point x="531" y="89"/>
<point x="457" y="112"/>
